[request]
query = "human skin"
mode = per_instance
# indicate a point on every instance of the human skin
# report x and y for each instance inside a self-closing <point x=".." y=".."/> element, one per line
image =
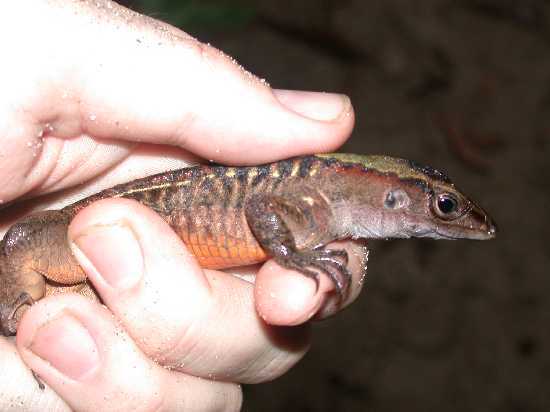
<point x="94" y="94"/>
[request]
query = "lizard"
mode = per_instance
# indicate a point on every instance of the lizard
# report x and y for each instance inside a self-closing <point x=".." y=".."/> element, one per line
<point x="232" y="216"/>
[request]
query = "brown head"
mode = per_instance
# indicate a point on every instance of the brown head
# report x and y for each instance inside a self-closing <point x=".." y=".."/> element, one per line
<point x="389" y="197"/>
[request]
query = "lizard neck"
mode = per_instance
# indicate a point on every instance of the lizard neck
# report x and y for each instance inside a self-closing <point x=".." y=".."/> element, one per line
<point x="359" y="204"/>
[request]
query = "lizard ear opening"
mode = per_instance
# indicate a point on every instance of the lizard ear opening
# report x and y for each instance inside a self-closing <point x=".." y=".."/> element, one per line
<point x="396" y="199"/>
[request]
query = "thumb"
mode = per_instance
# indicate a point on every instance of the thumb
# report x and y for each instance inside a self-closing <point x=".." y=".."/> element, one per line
<point x="109" y="72"/>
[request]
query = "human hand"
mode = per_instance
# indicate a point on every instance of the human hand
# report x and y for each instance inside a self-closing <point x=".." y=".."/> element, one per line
<point x="88" y="107"/>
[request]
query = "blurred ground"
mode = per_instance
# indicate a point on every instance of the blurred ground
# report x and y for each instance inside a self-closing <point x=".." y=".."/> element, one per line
<point x="463" y="86"/>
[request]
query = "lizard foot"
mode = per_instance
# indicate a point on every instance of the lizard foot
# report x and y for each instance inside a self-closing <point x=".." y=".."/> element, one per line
<point x="8" y="321"/>
<point x="331" y="262"/>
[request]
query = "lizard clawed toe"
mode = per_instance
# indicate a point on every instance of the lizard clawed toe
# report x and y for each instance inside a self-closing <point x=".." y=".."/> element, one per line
<point x="336" y="253"/>
<point x="331" y="262"/>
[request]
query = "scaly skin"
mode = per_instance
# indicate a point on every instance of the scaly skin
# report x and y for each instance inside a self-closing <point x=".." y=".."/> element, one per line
<point x="233" y="216"/>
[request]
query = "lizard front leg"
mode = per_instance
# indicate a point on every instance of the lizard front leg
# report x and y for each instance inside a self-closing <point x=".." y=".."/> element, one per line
<point x="294" y="230"/>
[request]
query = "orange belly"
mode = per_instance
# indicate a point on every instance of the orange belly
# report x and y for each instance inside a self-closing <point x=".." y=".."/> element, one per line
<point x="223" y="251"/>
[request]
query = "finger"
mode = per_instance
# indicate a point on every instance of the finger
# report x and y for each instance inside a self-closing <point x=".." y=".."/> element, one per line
<point x="20" y="391"/>
<point x="290" y="298"/>
<point x="142" y="160"/>
<point x="199" y="322"/>
<point x="75" y="347"/>
<point x="121" y="75"/>
<point x="69" y="184"/>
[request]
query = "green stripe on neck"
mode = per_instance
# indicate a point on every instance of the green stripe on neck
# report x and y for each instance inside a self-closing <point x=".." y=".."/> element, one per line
<point x="404" y="169"/>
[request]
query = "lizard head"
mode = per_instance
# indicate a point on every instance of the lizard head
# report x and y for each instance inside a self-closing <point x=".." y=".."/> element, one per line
<point x="424" y="202"/>
<point x="405" y="199"/>
<point x="439" y="210"/>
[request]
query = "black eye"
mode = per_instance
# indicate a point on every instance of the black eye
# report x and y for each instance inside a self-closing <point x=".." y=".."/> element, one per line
<point x="446" y="204"/>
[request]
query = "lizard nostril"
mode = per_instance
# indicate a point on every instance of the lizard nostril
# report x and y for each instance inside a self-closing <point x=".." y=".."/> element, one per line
<point x="492" y="228"/>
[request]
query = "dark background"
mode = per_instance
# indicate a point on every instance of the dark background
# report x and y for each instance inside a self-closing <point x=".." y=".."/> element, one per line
<point x="463" y="86"/>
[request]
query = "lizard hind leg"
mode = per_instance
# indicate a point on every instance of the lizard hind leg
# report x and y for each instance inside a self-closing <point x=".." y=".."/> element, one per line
<point x="19" y="286"/>
<point x="8" y="318"/>
<point x="33" y="250"/>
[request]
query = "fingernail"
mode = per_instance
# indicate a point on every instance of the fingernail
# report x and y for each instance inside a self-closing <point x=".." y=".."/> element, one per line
<point x="112" y="251"/>
<point x="315" y="105"/>
<point x="66" y="344"/>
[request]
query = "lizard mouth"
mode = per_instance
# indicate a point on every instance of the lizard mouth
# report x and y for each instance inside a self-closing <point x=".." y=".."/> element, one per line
<point x="8" y="321"/>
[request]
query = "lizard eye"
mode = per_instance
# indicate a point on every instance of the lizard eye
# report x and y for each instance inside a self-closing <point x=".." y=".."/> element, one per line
<point x="446" y="206"/>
